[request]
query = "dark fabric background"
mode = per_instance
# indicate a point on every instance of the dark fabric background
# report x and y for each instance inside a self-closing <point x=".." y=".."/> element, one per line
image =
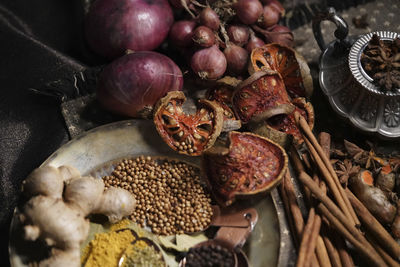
<point x="34" y="37"/>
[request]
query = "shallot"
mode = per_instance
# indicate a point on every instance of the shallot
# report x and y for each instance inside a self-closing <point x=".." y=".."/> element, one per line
<point x="209" y="63"/>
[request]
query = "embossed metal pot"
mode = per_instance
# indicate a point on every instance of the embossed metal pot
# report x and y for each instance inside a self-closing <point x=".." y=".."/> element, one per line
<point x="349" y="89"/>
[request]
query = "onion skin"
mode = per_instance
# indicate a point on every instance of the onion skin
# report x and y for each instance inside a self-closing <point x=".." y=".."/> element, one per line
<point x="203" y="36"/>
<point x="181" y="33"/>
<point x="114" y="26"/>
<point x="248" y="11"/>
<point x="254" y="42"/>
<point x="281" y="35"/>
<point x="238" y="34"/>
<point x="276" y="5"/>
<point x="270" y="17"/>
<point x="209" y="63"/>
<point x="237" y="59"/>
<point x="132" y="84"/>
<point x="209" y="18"/>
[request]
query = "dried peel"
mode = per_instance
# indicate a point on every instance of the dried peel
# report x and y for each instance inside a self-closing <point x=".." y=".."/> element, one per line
<point x="291" y="65"/>
<point x="188" y="134"/>
<point x="248" y="165"/>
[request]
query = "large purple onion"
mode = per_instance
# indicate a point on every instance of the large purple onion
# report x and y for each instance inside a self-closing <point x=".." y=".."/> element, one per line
<point x="133" y="83"/>
<point x="113" y="26"/>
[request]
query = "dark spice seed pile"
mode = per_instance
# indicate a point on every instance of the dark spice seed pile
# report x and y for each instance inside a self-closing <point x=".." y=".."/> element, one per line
<point x="170" y="198"/>
<point x="209" y="256"/>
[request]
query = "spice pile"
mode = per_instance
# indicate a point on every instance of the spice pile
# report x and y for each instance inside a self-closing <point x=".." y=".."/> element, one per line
<point x="381" y="61"/>
<point x="209" y="255"/>
<point x="140" y="253"/>
<point x="336" y="213"/>
<point x="170" y="197"/>
<point x="374" y="180"/>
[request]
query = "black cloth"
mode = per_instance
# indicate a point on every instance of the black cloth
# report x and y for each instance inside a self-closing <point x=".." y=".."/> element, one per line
<point x="41" y="48"/>
<point x="34" y="35"/>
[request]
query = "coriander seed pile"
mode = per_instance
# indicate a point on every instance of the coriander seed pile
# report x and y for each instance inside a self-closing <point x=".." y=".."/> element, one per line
<point x="170" y="198"/>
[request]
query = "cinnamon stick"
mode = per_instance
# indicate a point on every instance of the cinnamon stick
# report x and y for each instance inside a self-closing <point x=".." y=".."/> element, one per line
<point x="324" y="139"/>
<point x="372" y="256"/>
<point x="295" y="213"/>
<point x="386" y="257"/>
<point x="322" y="252"/>
<point x="338" y="245"/>
<point x="341" y="248"/>
<point x="309" y="239"/>
<point x="312" y="140"/>
<point x="289" y="215"/>
<point x="294" y="208"/>
<point x="332" y="252"/>
<point x="329" y="180"/>
<point x="338" y="214"/>
<point x="374" y="227"/>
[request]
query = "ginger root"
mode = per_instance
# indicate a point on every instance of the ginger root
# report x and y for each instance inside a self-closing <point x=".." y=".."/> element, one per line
<point x="60" y="201"/>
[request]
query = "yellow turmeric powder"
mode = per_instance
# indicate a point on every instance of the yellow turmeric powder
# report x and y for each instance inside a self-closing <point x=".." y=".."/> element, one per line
<point x="105" y="249"/>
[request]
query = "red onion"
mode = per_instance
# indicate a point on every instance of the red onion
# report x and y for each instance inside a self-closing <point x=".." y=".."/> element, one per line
<point x="248" y="11"/>
<point x="254" y="42"/>
<point x="113" y="26"/>
<point x="238" y="34"/>
<point x="281" y="35"/>
<point x="209" y="63"/>
<point x="133" y="83"/>
<point x="277" y="34"/>
<point x="237" y="58"/>
<point x="209" y="18"/>
<point x="181" y="33"/>
<point x="275" y="4"/>
<point x="270" y="17"/>
<point x="204" y="36"/>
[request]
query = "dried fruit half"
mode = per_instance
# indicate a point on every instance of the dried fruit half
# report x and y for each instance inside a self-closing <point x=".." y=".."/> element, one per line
<point x="287" y="124"/>
<point x="189" y="134"/>
<point x="292" y="67"/>
<point x="222" y="93"/>
<point x="259" y="93"/>
<point x="246" y="165"/>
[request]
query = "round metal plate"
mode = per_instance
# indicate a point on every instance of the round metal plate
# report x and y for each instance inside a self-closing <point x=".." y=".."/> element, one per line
<point x="268" y="245"/>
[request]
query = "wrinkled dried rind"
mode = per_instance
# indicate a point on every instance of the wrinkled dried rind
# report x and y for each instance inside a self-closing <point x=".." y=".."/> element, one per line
<point x="255" y="76"/>
<point x="218" y="120"/>
<point x="281" y="138"/>
<point x="225" y="152"/>
<point x="171" y="95"/>
<point x="237" y="102"/>
<point x="303" y="66"/>
<point x="229" y="83"/>
<point x="305" y="75"/>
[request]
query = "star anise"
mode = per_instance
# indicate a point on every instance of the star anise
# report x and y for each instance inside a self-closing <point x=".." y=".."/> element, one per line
<point x="345" y="169"/>
<point x="358" y="155"/>
<point x="381" y="60"/>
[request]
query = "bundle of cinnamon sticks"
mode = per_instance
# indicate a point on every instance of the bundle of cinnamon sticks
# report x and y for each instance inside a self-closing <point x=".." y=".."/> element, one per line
<point x="336" y="218"/>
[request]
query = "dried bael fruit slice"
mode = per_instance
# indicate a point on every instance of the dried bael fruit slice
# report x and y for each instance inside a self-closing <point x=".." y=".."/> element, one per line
<point x="247" y="165"/>
<point x="222" y="93"/>
<point x="292" y="67"/>
<point x="285" y="123"/>
<point x="261" y="92"/>
<point x="187" y="134"/>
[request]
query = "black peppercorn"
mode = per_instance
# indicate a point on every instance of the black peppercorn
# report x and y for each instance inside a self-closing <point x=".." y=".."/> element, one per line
<point x="210" y="256"/>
